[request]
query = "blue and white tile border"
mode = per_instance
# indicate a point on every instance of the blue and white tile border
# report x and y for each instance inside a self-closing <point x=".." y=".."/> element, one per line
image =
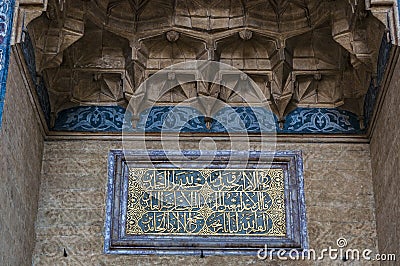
<point x="6" y="19"/>
<point x="186" y="119"/>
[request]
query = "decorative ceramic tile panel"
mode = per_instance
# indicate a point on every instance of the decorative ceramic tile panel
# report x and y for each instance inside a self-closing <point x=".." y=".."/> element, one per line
<point x="171" y="119"/>
<point x="91" y="119"/>
<point x="204" y="206"/>
<point x="227" y="120"/>
<point x="6" y="19"/>
<point x="321" y="120"/>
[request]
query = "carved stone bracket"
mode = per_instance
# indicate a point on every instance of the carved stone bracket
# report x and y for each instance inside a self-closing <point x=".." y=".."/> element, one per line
<point x="357" y="32"/>
<point x="54" y="32"/>
<point x="387" y="11"/>
<point x="25" y="12"/>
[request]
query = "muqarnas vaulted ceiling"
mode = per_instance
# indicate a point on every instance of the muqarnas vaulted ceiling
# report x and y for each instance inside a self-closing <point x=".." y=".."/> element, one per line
<point x="301" y="53"/>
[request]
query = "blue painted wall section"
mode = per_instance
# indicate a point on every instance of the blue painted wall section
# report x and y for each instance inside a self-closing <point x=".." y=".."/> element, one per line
<point x="38" y="82"/>
<point x="187" y="119"/>
<point x="6" y="18"/>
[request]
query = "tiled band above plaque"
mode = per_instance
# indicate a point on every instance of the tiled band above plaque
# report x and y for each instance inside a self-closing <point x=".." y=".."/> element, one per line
<point x="155" y="207"/>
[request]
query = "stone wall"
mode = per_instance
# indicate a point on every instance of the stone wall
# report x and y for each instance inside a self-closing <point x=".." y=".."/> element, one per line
<point x="385" y="153"/>
<point x="21" y="148"/>
<point x="339" y="200"/>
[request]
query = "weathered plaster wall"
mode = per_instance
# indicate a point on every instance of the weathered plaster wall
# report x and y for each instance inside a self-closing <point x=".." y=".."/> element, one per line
<point x="339" y="202"/>
<point x="385" y="153"/>
<point x="21" y="148"/>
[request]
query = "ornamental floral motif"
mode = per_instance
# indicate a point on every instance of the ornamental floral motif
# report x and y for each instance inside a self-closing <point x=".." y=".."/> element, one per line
<point x="6" y="18"/>
<point x="171" y="119"/>
<point x="6" y="12"/>
<point x="187" y="119"/>
<point x="244" y="119"/>
<point x="321" y="120"/>
<point x="91" y="118"/>
<point x="6" y="9"/>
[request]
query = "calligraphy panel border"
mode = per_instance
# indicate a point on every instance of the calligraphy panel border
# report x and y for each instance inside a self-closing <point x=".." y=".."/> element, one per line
<point x="118" y="242"/>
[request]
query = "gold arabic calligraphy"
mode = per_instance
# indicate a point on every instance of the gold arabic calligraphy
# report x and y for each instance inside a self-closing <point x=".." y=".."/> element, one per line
<point x="206" y="202"/>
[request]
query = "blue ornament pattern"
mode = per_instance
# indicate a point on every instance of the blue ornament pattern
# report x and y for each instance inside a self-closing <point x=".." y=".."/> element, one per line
<point x="321" y="120"/>
<point x="244" y="119"/>
<point x="6" y="19"/>
<point x="91" y="119"/>
<point x="170" y="119"/>
<point x="187" y="119"/>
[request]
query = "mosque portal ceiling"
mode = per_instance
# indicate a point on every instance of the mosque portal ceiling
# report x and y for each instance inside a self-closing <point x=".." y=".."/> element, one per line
<point x="303" y="54"/>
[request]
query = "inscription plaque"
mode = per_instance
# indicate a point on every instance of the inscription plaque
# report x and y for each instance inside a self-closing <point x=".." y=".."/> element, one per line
<point x="206" y="202"/>
<point x="204" y="207"/>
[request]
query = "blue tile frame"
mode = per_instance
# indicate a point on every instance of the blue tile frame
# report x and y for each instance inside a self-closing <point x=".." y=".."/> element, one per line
<point x="6" y="19"/>
<point x="117" y="242"/>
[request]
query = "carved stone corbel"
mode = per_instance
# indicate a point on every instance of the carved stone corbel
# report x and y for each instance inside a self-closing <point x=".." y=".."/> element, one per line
<point x="135" y="68"/>
<point x="52" y="34"/>
<point x="25" y="12"/>
<point x="387" y="11"/>
<point x="139" y="54"/>
<point x="282" y="81"/>
<point x="357" y="32"/>
<point x="211" y="48"/>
